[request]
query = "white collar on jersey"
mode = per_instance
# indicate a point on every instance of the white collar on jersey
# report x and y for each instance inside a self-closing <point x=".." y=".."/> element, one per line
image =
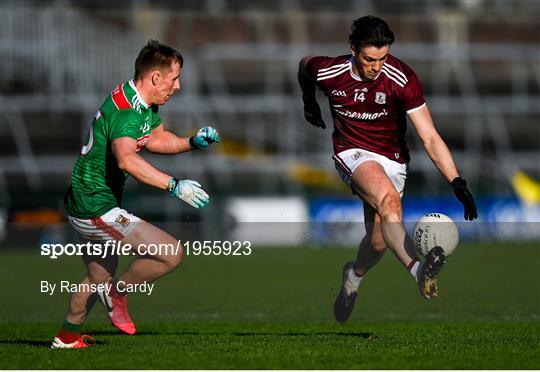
<point x="356" y="77"/>
<point x="132" y="85"/>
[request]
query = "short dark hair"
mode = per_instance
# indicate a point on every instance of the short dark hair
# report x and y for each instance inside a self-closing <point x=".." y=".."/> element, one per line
<point x="370" y="30"/>
<point x="154" y="54"/>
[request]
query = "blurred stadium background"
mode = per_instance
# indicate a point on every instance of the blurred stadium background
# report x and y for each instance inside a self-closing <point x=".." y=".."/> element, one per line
<point x="479" y="62"/>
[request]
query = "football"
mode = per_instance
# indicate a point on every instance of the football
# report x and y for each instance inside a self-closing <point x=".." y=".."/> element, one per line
<point x="435" y="229"/>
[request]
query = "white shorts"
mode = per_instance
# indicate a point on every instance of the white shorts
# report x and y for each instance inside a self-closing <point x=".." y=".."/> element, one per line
<point x="113" y="225"/>
<point x="347" y="161"/>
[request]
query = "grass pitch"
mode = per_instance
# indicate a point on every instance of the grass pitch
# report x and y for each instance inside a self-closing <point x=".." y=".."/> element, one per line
<point x="272" y="310"/>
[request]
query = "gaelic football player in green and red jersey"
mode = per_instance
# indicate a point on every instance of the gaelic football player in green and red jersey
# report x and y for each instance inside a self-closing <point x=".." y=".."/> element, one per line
<point x="127" y="122"/>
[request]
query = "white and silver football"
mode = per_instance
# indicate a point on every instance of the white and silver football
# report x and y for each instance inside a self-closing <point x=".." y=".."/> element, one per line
<point x="435" y="229"/>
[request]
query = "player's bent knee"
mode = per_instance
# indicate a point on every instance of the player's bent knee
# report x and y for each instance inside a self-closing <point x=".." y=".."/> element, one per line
<point x="174" y="260"/>
<point x="172" y="263"/>
<point x="379" y="245"/>
<point x="390" y="208"/>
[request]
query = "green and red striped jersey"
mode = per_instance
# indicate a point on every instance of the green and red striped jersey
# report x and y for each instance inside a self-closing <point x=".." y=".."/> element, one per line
<point x="96" y="181"/>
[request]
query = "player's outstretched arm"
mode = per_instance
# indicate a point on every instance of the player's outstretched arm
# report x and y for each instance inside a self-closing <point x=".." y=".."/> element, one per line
<point x="124" y="150"/>
<point x="442" y="158"/>
<point x="162" y="141"/>
<point x="312" y="110"/>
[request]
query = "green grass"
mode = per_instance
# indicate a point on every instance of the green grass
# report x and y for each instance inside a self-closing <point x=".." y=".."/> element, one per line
<point x="273" y="310"/>
<point x="285" y="346"/>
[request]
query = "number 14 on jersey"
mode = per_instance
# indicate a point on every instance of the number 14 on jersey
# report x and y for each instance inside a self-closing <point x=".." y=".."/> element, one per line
<point x="359" y="96"/>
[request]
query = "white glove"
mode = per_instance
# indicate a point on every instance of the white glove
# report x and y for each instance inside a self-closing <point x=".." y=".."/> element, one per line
<point x="189" y="191"/>
<point x="204" y="138"/>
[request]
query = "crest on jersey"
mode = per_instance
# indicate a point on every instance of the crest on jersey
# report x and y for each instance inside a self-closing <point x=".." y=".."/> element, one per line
<point x="380" y="98"/>
<point x="122" y="220"/>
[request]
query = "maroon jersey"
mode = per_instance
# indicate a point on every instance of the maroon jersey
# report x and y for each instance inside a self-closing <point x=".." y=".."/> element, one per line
<point x="370" y="115"/>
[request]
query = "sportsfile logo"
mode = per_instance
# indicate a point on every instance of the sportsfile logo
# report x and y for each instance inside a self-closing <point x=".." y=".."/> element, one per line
<point x="117" y="248"/>
<point x="108" y="248"/>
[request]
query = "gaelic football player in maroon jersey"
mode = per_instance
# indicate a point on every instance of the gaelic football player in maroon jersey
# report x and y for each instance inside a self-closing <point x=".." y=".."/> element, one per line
<point x="371" y="93"/>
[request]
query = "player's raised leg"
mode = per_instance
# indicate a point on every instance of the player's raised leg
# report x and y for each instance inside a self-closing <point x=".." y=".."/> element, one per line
<point x="146" y="268"/>
<point x="99" y="270"/>
<point x="370" y="251"/>
<point x="371" y="182"/>
<point x="375" y="188"/>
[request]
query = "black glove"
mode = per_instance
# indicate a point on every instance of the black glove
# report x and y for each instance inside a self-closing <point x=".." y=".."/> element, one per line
<point x="465" y="197"/>
<point x="312" y="113"/>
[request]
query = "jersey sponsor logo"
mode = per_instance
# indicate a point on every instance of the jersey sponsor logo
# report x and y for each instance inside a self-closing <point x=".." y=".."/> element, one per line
<point x="339" y="93"/>
<point x="396" y="155"/>
<point x="362" y="115"/>
<point x="380" y="98"/>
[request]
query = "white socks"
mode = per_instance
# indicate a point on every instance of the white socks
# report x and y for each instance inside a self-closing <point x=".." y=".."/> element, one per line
<point x="414" y="270"/>
<point x="351" y="285"/>
<point x="354" y="278"/>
